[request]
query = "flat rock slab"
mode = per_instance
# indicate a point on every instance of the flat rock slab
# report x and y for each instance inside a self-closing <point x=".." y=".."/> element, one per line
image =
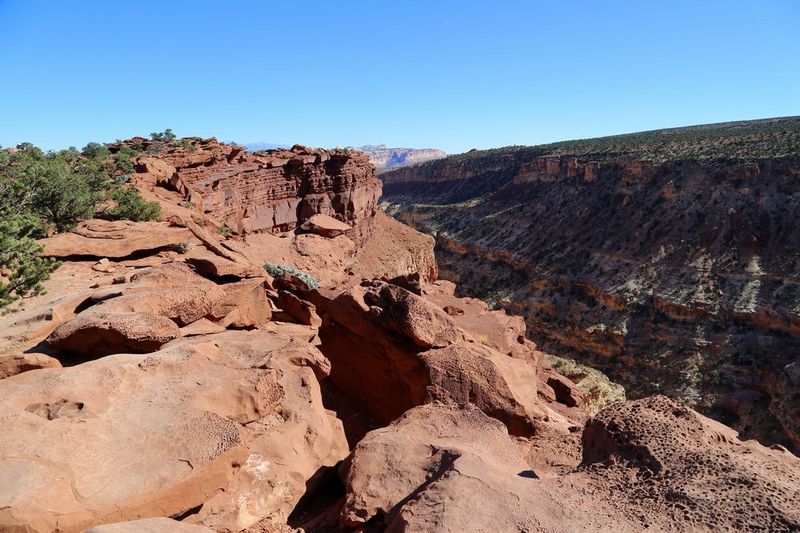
<point x="115" y="239"/>
<point x="325" y="225"/>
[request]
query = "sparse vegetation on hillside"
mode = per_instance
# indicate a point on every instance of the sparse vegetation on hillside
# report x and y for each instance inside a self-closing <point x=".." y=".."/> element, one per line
<point x="44" y="192"/>
<point x="744" y="140"/>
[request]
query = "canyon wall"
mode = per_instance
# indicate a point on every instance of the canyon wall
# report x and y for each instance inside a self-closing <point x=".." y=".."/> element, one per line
<point x="678" y="277"/>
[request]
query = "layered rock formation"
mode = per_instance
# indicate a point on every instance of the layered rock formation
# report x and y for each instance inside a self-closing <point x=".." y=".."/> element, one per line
<point x="676" y="277"/>
<point x="390" y="158"/>
<point x="274" y="190"/>
<point x="183" y="388"/>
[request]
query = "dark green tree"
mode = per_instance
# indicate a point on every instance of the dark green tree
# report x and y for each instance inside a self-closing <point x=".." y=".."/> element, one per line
<point x="131" y="206"/>
<point x="22" y="270"/>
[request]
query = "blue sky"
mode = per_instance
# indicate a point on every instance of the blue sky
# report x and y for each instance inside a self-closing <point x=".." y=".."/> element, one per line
<point x="453" y="75"/>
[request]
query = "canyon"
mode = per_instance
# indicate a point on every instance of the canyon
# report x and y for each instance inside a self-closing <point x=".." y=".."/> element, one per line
<point x="274" y="353"/>
<point x="667" y="259"/>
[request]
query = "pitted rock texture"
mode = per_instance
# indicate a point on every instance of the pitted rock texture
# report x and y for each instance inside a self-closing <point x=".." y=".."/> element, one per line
<point x="676" y="277"/>
<point x="274" y="190"/>
<point x="648" y="465"/>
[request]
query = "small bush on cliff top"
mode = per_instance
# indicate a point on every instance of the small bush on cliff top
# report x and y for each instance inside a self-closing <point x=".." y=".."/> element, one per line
<point x="131" y="206"/>
<point x="276" y="269"/>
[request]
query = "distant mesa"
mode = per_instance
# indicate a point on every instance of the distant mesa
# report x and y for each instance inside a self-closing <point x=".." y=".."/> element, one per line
<point x="258" y="147"/>
<point x="386" y="159"/>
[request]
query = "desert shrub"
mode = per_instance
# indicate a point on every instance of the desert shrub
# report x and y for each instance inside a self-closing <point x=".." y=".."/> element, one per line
<point x="167" y="135"/>
<point x="131" y="206"/>
<point x="62" y="196"/>
<point x="22" y="270"/>
<point x="95" y="150"/>
<point x="277" y="269"/>
<point x="225" y="230"/>
<point x="182" y="247"/>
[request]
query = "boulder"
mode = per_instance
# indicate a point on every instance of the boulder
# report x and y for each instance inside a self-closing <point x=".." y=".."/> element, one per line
<point x="201" y="327"/>
<point x="325" y="225"/>
<point x="214" y="266"/>
<point x="17" y="363"/>
<point x="244" y="305"/>
<point x="434" y="454"/>
<point x="302" y="311"/>
<point x="114" y="239"/>
<point x="98" y="334"/>
<point x="172" y="290"/>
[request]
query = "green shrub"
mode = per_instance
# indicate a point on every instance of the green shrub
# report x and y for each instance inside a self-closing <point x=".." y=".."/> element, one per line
<point x="22" y="269"/>
<point x="62" y="196"/>
<point x="225" y="230"/>
<point x="276" y="269"/>
<point x="131" y="206"/>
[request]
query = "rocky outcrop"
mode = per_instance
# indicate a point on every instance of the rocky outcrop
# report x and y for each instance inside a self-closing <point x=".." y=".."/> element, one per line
<point x="115" y="239"/>
<point x="274" y="190"/>
<point x="17" y="363"/>
<point x="390" y="158"/>
<point x="650" y="464"/>
<point x="99" y="334"/>
<point x="672" y="277"/>
<point x="381" y="332"/>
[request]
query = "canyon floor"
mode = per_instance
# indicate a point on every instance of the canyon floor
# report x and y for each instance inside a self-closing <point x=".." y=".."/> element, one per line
<point x="277" y="354"/>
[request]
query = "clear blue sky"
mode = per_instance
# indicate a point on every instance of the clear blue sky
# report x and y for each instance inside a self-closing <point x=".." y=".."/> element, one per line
<point x="448" y="74"/>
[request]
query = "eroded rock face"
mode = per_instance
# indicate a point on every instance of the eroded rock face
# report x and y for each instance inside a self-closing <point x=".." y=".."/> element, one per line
<point x="241" y="423"/>
<point x="694" y="468"/>
<point x="385" y="334"/>
<point x="171" y="431"/>
<point x="672" y="278"/>
<point x="424" y="448"/>
<point x="649" y="464"/>
<point x="100" y="334"/>
<point x="275" y="190"/>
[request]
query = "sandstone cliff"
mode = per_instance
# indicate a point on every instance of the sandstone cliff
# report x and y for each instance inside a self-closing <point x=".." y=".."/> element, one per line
<point x="273" y="190"/>
<point x="673" y="275"/>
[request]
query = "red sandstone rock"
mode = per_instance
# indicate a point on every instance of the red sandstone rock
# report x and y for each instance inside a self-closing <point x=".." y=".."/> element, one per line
<point x="302" y="311"/>
<point x="212" y="265"/>
<point x="194" y="424"/>
<point x="98" y="334"/>
<point x="649" y="464"/>
<point x="425" y="447"/>
<point x="17" y="363"/>
<point x="325" y="225"/>
<point x="244" y="304"/>
<point x="275" y="190"/>
<point x="115" y="239"/>
<point x="413" y="353"/>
